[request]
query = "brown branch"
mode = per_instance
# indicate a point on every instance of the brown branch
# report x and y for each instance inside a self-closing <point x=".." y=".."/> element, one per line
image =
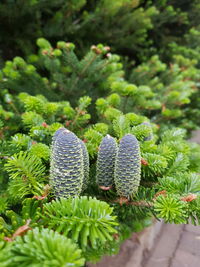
<point x="20" y="231"/>
<point x="149" y="184"/>
<point x="141" y="203"/>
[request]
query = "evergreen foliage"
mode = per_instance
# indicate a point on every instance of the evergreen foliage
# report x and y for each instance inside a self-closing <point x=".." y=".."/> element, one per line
<point x="87" y="221"/>
<point x="153" y="88"/>
<point x="41" y="248"/>
<point x="170" y="208"/>
<point x="59" y="69"/>
<point x="26" y="173"/>
<point x="78" y="119"/>
<point x="126" y="25"/>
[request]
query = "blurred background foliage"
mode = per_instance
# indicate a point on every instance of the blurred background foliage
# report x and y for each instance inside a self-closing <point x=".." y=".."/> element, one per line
<point x="134" y="28"/>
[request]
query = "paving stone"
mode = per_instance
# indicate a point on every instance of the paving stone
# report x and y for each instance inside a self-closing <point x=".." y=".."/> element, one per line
<point x="183" y="258"/>
<point x="192" y="228"/>
<point x="190" y="242"/>
<point x="157" y="262"/>
<point x="121" y="258"/>
<point x="146" y="241"/>
<point x="165" y="246"/>
<point x="131" y="251"/>
<point x="168" y="240"/>
<point x="195" y="136"/>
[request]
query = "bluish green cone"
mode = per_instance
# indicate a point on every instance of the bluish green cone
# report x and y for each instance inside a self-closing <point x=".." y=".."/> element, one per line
<point x="86" y="164"/>
<point x="128" y="166"/>
<point x="106" y="161"/>
<point x="66" y="170"/>
<point x="60" y="130"/>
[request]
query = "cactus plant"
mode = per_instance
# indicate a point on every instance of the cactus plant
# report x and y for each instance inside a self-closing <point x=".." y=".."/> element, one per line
<point x="128" y="166"/>
<point x="106" y="162"/>
<point x="66" y="171"/>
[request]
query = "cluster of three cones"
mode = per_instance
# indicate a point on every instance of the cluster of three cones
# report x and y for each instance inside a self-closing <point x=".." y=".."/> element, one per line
<point x="119" y="166"/>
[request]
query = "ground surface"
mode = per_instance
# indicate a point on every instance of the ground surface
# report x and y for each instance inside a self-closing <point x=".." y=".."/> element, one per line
<point x="177" y="246"/>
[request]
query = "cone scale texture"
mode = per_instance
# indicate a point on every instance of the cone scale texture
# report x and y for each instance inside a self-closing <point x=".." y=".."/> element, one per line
<point x="128" y="166"/>
<point x="66" y="170"/>
<point x="106" y="161"/>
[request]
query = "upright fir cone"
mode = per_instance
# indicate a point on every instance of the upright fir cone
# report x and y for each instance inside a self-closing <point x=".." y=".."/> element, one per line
<point x="66" y="168"/>
<point x="128" y="166"/>
<point x="106" y="162"/>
